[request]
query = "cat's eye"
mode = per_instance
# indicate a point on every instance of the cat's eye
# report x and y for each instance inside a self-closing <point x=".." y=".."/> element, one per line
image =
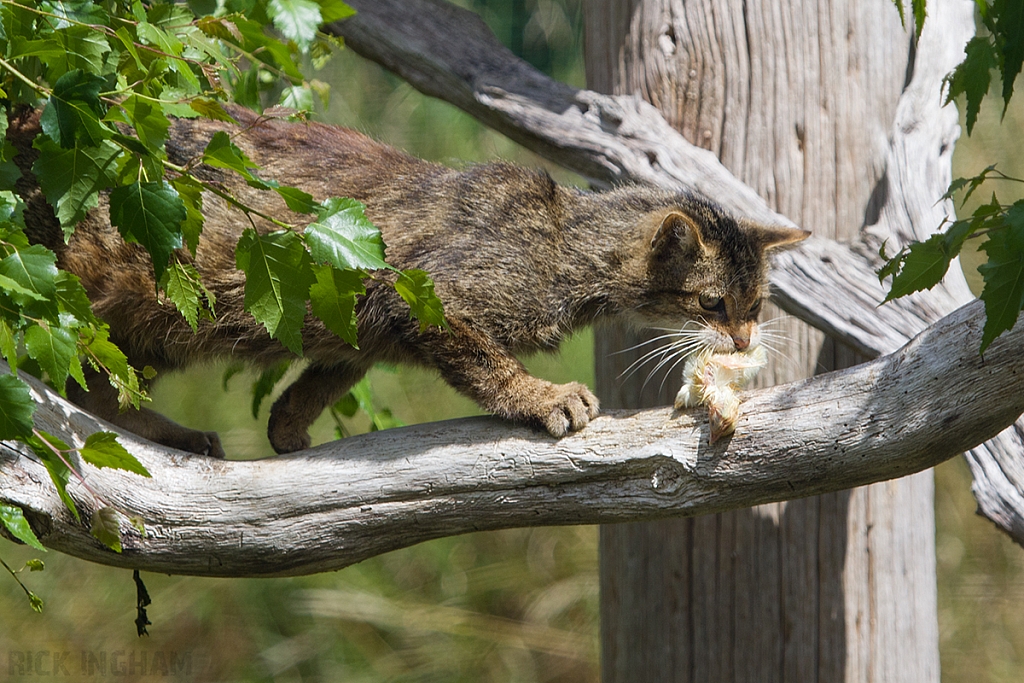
<point x="711" y="303"/>
<point x="756" y="308"/>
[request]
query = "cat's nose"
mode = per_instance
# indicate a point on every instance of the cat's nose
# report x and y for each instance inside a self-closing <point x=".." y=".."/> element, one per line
<point x="741" y="343"/>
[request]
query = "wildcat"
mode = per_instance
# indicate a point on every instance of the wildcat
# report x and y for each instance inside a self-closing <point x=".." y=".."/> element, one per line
<point x="518" y="261"/>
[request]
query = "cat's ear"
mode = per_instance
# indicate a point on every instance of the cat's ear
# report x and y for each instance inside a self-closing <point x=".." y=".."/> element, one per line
<point x="676" y="229"/>
<point x="777" y="236"/>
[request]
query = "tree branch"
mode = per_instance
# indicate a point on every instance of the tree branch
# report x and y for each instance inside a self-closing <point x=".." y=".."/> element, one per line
<point x="345" y="501"/>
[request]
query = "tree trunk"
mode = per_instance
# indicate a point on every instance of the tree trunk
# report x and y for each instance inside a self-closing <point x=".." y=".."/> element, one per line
<point x="797" y="100"/>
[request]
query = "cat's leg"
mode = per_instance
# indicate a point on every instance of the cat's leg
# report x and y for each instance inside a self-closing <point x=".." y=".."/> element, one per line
<point x="101" y="401"/>
<point x="301" y="403"/>
<point x="478" y="366"/>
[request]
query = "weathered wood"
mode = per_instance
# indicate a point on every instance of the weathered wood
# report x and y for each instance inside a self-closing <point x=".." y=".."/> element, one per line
<point x="345" y="501"/>
<point x="621" y="139"/>
<point x="802" y="590"/>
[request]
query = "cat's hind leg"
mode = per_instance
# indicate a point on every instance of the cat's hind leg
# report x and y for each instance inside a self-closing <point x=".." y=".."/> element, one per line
<point x="297" y="408"/>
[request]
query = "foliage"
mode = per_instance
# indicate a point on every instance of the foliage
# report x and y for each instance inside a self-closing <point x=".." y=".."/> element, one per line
<point x="109" y="76"/>
<point x="921" y="265"/>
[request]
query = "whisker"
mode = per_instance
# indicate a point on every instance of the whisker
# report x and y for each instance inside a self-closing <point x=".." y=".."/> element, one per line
<point x="654" y="340"/>
<point x="660" y="353"/>
<point x="669" y="372"/>
<point x="674" y="357"/>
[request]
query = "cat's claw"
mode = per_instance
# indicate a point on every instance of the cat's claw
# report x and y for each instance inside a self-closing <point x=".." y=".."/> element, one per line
<point x="569" y="408"/>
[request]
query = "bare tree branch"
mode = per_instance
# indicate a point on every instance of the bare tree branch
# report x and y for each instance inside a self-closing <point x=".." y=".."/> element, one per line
<point x="346" y="501"/>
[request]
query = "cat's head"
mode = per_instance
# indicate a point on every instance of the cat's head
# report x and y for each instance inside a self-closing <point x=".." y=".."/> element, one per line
<point x="708" y="270"/>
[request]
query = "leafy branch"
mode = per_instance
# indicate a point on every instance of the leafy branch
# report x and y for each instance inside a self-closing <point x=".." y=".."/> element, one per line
<point x="109" y="78"/>
<point x="921" y="265"/>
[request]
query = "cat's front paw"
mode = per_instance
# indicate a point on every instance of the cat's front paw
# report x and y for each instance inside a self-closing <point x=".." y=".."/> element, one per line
<point x="566" y="408"/>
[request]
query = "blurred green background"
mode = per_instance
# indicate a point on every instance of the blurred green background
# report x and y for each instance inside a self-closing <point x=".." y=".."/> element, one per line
<point x="517" y="605"/>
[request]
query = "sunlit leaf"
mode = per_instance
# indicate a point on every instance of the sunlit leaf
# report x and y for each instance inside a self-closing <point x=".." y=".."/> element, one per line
<point x="345" y="238"/>
<point x="14" y="520"/>
<point x="150" y="213"/>
<point x="333" y="300"/>
<point x="102" y="449"/>
<point x="278" y="277"/>
<point x="1003" y="293"/>
<point x="105" y="527"/>
<point x="46" y="447"/>
<point x="16" y="408"/>
<point x="52" y="347"/>
<point x="72" y="179"/>
<point x="416" y="287"/>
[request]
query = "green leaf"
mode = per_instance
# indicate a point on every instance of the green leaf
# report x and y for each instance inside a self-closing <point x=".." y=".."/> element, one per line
<point x="333" y="300"/>
<point x="105" y="527"/>
<point x="71" y="179"/>
<point x="344" y="237"/>
<point x="223" y="153"/>
<point x="211" y="109"/>
<point x="43" y="446"/>
<point x="297" y="20"/>
<point x="191" y="193"/>
<point x="273" y="51"/>
<point x="922" y="265"/>
<point x="14" y="520"/>
<point x="334" y="10"/>
<point x="919" y="14"/>
<point x="973" y="76"/>
<point x="16" y="408"/>
<point x="183" y="287"/>
<point x="105" y="356"/>
<point x="102" y="449"/>
<point x="9" y="285"/>
<point x="52" y="347"/>
<point x="151" y="214"/>
<point x="971" y="184"/>
<point x="265" y="383"/>
<point x="74" y="110"/>
<point x="149" y="121"/>
<point x="34" y="271"/>
<point x="234" y="367"/>
<point x="279" y="274"/>
<point x="82" y="47"/>
<point x="1010" y="29"/>
<point x="416" y="287"/>
<point x="297" y="97"/>
<point x="1003" y="293"/>
<point x="297" y="200"/>
<point x="129" y="45"/>
<point x="9" y="345"/>
<point x="72" y="298"/>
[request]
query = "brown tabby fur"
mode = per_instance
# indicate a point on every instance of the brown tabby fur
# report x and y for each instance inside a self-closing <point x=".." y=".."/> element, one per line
<point x="518" y="261"/>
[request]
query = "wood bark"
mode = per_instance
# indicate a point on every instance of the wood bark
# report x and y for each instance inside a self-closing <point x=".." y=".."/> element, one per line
<point x="623" y="139"/>
<point x="348" y="500"/>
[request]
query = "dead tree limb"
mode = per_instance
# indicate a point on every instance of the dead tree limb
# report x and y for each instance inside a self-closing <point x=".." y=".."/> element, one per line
<point x="343" y="502"/>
